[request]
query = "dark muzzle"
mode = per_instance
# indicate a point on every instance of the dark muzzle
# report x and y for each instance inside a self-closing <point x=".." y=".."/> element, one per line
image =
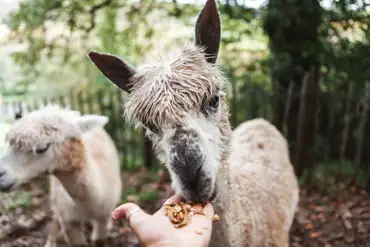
<point x="187" y="161"/>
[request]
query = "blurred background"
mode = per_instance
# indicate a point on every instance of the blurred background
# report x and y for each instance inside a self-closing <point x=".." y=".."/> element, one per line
<point x="302" y="64"/>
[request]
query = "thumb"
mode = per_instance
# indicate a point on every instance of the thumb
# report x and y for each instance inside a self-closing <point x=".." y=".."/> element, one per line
<point x="131" y="212"/>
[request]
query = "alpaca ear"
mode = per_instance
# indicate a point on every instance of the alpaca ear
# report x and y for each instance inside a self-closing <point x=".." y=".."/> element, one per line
<point x="115" y="69"/>
<point x="89" y="122"/>
<point x="208" y="30"/>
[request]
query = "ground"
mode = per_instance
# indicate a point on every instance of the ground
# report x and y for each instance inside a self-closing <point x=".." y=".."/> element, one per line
<point x="320" y="219"/>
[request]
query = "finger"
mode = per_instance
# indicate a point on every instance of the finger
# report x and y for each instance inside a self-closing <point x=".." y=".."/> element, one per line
<point x="204" y="219"/>
<point x="198" y="208"/>
<point x="201" y="224"/>
<point x="206" y="215"/>
<point x="208" y="210"/>
<point x="121" y="211"/>
<point x="132" y="212"/>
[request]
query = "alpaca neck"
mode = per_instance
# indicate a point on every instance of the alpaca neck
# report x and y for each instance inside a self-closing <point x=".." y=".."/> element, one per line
<point x="223" y="179"/>
<point x="220" y="203"/>
<point x="75" y="172"/>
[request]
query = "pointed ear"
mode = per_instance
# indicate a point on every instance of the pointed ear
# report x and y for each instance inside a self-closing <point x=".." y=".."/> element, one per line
<point x="208" y="30"/>
<point x="89" y="122"/>
<point x="116" y="70"/>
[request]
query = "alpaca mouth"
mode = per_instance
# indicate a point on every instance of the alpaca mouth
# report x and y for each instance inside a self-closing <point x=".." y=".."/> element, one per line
<point x="6" y="186"/>
<point x="213" y="196"/>
<point x="201" y="190"/>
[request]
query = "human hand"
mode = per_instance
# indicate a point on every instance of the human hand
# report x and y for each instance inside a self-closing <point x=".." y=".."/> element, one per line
<point x="157" y="231"/>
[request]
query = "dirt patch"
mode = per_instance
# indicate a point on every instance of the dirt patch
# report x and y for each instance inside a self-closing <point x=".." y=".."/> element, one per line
<point x="319" y="221"/>
<point x="324" y="221"/>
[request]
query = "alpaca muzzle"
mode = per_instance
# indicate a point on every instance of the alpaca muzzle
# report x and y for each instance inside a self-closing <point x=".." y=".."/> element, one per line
<point x="6" y="183"/>
<point x="188" y="163"/>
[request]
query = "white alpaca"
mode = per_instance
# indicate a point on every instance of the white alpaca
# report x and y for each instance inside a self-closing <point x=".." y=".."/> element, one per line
<point x="262" y="190"/>
<point x="181" y="103"/>
<point x="85" y="183"/>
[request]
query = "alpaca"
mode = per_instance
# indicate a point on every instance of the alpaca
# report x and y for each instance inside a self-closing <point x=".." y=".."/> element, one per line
<point x="85" y="183"/>
<point x="180" y="102"/>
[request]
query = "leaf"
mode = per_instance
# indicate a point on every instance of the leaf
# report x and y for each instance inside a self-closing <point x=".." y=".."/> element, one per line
<point x="309" y="226"/>
<point x="315" y="234"/>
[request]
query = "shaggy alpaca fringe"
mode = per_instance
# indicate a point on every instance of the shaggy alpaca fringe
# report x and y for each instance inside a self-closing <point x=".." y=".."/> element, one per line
<point x="178" y="83"/>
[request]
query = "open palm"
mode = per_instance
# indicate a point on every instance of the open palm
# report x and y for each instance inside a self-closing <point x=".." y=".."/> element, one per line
<point x="157" y="230"/>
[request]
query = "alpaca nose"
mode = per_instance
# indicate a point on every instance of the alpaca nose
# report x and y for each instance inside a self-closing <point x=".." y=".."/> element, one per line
<point x="5" y="183"/>
<point x="188" y="161"/>
<point x="189" y="165"/>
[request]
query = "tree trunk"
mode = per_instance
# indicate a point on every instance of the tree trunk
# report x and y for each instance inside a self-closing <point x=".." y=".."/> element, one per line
<point x="362" y="126"/>
<point x="346" y="125"/>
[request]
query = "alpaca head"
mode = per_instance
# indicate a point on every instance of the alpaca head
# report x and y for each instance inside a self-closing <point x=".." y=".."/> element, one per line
<point x="38" y="141"/>
<point x="180" y="101"/>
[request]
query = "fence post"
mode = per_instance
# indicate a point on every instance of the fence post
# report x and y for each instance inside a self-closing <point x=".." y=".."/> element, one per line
<point x="73" y="101"/>
<point x="80" y="102"/>
<point x="90" y="100"/>
<point x="35" y="104"/>
<point x="62" y="101"/>
<point x="362" y="126"/>
<point x="113" y="113"/>
<point x="346" y="127"/>
<point x="45" y="101"/>
<point x="306" y="124"/>
<point x="287" y="110"/>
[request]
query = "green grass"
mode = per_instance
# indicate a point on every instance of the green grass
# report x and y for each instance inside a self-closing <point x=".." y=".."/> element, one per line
<point x="9" y="201"/>
<point x="148" y="196"/>
<point x="332" y="178"/>
<point x="345" y="170"/>
<point x="126" y="192"/>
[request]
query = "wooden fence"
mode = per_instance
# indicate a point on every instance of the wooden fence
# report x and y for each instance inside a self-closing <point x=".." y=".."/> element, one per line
<point x="341" y="122"/>
<point x="134" y="149"/>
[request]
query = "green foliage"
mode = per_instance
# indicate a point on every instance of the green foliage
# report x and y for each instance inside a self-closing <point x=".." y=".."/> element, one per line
<point x="32" y="14"/>
<point x="348" y="171"/>
<point x="292" y="29"/>
<point x="95" y="24"/>
<point x="333" y="178"/>
<point x="148" y="196"/>
<point x="259" y="48"/>
<point x="130" y="190"/>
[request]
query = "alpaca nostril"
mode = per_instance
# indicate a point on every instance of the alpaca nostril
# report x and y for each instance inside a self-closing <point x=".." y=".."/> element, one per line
<point x="6" y="187"/>
<point x="197" y="177"/>
<point x="6" y="183"/>
<point x="197" y="173"/>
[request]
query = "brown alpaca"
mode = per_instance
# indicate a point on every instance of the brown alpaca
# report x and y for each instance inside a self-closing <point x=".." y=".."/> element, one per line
<point x="85" y="183"/>
<point x="181" y="103"/>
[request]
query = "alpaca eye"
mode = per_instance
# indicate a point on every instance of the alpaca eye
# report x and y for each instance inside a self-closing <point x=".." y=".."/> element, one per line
<point x="41" y="150"/>
<point x="214" y="101"/>
<point x="151" y="127"/>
